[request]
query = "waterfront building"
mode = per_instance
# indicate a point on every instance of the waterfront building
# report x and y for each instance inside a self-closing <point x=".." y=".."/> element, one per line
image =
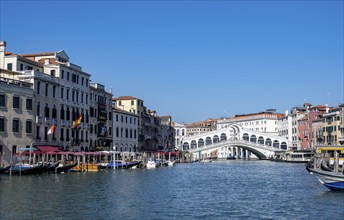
<point x="60" y="95"/>
<point x="100" y="118"/>
<point x="167" y="133"/>
<point x="150" y="137"/>
<point x="125" y="135"/>
<point x="332" y="126"/>
<point x="151" y="129"/>
<point x="305" y="129"/>
<point x="180" y="134"/>
<point x="297" y="113"/>
<point x="285" y="126"/>
<point x="17" y="117"/>
<point x="318" y="133"/>
<point x="341" y="138"/>
<point x="133" y="105"/>
<point x="201" y="127"/>
<point x="266" y="122"/>
<point x="65" y="96"/>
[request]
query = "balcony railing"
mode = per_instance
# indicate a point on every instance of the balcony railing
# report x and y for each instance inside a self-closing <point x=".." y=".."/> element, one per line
<point x="47" y="120"/>
<point x="39" y="119"/>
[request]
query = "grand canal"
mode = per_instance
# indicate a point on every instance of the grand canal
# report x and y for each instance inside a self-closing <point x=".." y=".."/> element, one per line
<point x="218" y="190"/>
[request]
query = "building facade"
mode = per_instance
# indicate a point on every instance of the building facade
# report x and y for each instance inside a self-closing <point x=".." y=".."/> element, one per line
<point x="267" y="122"/>
<point x="17" y="115"/>
<point x="59" y="93"/>
<point x="180" y="134"/>
<point x="332" y="127"/>
<point x="126" y="132"/>
<point x="100" y="118"/>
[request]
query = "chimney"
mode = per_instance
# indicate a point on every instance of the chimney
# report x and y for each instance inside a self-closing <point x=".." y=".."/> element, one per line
<point x="286" y="112"/>
<point x="2" y="54"/>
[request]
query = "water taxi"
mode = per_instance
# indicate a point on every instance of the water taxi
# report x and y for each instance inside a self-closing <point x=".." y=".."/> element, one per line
<point x="293" y="156"/>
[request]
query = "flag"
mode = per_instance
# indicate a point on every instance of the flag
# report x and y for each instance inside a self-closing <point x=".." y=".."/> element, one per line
<point x="51" y="130"/>
<point x="77" y="122"/>
<point x="103" y="130"/>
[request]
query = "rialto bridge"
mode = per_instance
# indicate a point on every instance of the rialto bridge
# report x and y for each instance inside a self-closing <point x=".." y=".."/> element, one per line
<point x="234" y="141"/>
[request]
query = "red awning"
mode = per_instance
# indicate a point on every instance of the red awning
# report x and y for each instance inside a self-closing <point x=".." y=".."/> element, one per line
<point x="46" y="149"/>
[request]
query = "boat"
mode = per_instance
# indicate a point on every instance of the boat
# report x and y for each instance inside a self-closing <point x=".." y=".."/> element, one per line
<point x="231" y="158"/>
<point x="120" y="165"/>
<point x="293" y="156"/>
<point x="24" y="169"/>
<point x="333" y="179"/>
<point x="61" y="168"/>
<point x="151" y="164"/>
<point x="3" y="169"/>
<point x="170" y="163"/>
<point x="206" y="161"/>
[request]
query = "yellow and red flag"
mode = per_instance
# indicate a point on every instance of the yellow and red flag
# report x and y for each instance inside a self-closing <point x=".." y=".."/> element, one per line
<point x="51" y="130"/>
<point x="77" y="122"/>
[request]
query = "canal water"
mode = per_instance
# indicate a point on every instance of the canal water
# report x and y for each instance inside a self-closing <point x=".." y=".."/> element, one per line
<point x="218" y="190"/>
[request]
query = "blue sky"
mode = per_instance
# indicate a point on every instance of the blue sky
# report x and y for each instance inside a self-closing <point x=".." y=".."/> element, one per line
<point x="193" y="59"/>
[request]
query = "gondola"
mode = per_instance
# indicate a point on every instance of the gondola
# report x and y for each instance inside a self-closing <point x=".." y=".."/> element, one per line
<point x="3" y="169"/>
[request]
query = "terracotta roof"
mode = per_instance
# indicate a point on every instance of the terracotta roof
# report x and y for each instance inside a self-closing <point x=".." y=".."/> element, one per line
<point x="38" y="54"/>
<point x="165" y="116"/>
<point x="26" y="59"/>
<point x="9" y="53"/>
<point x="124" y="98"/>
<point x="51" y="61"/>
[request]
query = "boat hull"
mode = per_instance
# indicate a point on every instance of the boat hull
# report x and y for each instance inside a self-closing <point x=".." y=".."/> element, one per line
<point x="333" y="181"/>
<point x="4" y="169"/>
<point x="120" y="165"/>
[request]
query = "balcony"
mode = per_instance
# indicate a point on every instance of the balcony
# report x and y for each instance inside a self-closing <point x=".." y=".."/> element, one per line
<point x="63" y="122"/>
<point x="39" y="119"/>
<point x="54" y="121"/>
<point x="28" y="74"/>
<point x="47" y="120"/>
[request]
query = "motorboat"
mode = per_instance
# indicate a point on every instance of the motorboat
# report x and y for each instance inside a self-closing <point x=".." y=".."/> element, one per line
<point x="206" y="161"/>
<point x="121" y="165"/>
<point x="170" y="163"/>
<point x="151" y="164"/>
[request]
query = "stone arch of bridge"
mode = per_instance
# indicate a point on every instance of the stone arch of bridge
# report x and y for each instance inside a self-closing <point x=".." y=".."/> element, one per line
<point x="256" y="152"/>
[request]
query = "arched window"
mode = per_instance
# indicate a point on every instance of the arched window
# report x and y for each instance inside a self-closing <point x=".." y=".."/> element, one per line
<point x="201" y="143"/>
<point x="261" y="140"/>
<point x="208" y="141"/>
<point x="215" y="139"/>
<point x="276" y="144"/>
<point x="193" y="144"/>
<point x="223" y="137"/>
<point x="38" y="109"/>
<point x="245" y="137"/>
<point x="284" y="145"/>
<point x="253" y="138"/>
<point x="268" y="142"/>
<point x="186" y="146"/>
<point x="46" y="111"/>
